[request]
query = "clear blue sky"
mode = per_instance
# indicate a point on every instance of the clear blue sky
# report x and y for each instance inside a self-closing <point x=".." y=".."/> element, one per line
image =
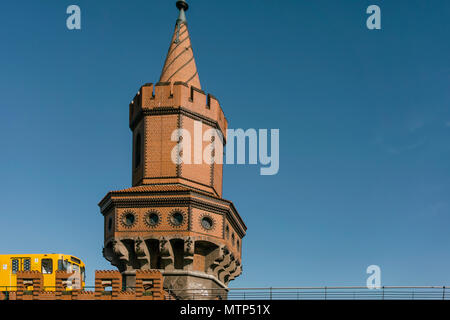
<point x="364" y="119"/>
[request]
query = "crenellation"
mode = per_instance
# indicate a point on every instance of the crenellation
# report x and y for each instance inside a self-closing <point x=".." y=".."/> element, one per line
<point x="175" y="95"/>
<point x="147" y="95"/>
<point x="135" y="106"/>
<point x="181" y="94"/>
<point x="163" y="95"/>
<point x="198" y="97"/>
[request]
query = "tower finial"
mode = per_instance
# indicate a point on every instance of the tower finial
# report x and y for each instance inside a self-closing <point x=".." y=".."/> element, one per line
<point x="182" y="4"/>
<point x="183" y="7"/>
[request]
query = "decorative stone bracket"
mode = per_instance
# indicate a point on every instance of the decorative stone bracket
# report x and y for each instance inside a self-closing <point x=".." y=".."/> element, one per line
<point x="131" y="254"/>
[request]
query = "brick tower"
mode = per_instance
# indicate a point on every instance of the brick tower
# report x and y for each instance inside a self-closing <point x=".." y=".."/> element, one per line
<point x="174" y="218"/>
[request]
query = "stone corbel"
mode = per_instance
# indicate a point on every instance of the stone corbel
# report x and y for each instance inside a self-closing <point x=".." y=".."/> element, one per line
<point x="236" y="273"/>
<point x="109" y="255"/>
<point x="142" y="253"/>
<point x="167" y="257"/>
<point x="121" y="254"/>
<point x="220" y="254"/>
<point x="229" y="271"/>
<point x="225" y="271"/>
<point x="229" y="257"/>
<point x="188" y="257"/>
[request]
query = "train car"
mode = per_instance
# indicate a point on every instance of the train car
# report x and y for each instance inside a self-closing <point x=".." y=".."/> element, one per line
<point x="47" y="264"/>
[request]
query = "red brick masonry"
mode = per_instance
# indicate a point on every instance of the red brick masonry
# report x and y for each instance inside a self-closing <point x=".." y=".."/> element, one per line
<point x="149" y="286"/>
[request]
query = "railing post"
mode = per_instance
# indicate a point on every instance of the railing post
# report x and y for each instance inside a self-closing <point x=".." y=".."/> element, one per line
<point x="443" y="293"/>
<point x="383" y="293"/>
<point x="325" y="293"/>
<point x="270" y="293"/>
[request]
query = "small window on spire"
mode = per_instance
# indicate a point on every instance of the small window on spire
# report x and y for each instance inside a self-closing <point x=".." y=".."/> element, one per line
<point x="137" y="151"/>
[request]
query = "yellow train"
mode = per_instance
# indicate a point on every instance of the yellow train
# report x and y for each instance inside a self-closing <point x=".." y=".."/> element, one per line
<point x="48" y="264"/>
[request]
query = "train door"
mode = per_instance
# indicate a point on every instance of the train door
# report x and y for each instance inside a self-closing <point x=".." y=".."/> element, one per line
<point x="47" y="273"/>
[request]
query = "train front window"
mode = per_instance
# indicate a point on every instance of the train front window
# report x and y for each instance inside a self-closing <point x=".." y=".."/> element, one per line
<point x="62" y="265"/>
<point x="47" y="266"/>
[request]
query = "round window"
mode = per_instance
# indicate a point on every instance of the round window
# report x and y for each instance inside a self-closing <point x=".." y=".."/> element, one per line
<point x="176" y="218"/>
<point x="207" y="223"/>
<point x="153" y="219"/>
<point x="129" y="219"/>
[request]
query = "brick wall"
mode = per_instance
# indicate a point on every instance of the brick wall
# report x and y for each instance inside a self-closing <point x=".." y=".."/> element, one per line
<point x="149" y="286"/>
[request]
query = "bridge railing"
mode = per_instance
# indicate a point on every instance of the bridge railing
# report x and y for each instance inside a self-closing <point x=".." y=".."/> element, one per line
<point x="302" y="293"/>
<point x="325" y="293"/>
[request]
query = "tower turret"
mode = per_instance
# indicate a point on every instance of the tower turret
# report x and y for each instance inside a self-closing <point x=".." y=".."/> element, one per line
<point x="174" y="218"/>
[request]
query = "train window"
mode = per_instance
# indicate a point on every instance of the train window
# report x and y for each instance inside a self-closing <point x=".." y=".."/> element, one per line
<point x="75" y="260"/>
<point x="26" y="264"/>
<point x="83" y="274"/>
<point x="47" y="266"/>
<point x="76" y="268"/>
<point x="62" y="265"/>
<point x="15" y="265"/>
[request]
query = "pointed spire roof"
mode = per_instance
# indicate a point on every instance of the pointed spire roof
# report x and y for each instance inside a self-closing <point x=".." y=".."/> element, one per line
<point x="180" y="62"/>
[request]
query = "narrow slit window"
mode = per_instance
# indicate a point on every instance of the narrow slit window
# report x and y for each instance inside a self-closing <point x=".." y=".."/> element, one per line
<point x="138" y="151"/>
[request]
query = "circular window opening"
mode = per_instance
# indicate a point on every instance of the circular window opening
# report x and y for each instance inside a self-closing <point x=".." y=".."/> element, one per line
<point x="129" y="219"/>
<point x="207" y="223"/>
<point x="153" y="219"/>
<point x="110" y="223"/>
<point x="177" y="218"/>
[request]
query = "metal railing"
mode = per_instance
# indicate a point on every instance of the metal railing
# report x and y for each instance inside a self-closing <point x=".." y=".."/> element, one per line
<point x="303" y="293"/>
<point x="322" y="293"/>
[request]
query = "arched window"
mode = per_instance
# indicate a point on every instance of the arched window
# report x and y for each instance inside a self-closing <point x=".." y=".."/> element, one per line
<point x="137" y="151"/>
